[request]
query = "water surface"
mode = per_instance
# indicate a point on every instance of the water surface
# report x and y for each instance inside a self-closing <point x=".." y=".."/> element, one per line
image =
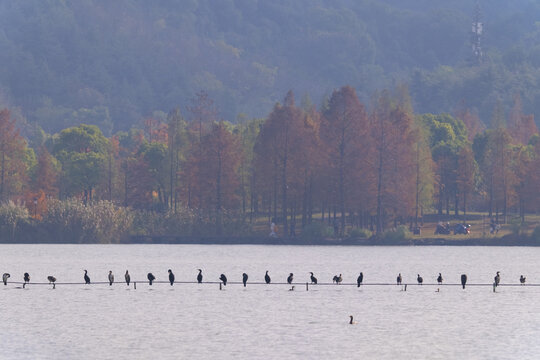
<point x="270" y="322"/>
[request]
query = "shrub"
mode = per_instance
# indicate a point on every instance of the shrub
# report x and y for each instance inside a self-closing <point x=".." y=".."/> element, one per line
<point x="396" y="235"/>
<point x="11" y="215"/>
<point x="317" y="230"/>
<point x="360" y="233"/>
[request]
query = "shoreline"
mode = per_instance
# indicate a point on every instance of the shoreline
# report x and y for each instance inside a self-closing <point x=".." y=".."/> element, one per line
<point x="264" y="240"/>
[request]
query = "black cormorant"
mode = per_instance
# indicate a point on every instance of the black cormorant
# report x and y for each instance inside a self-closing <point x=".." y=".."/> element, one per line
<point x="352" y="322"/>
<point x="290" y="278"/>
<point x="5" y="277"/>
<point x="419" y="279"/>
<point x="111" y="278"/>
<point x="522" y="279"/>
<point x="171" y="277"/>
<point x="313" y="279"/>
<point x="439" y="279"/>
<point x="338" y="279"/>
<point x="199" y="276"/>
<point x="151" y="278"/>
<point x="463" y="280"/>
<point x="244" y="279"/>
<point x="360" y="279"/>
<point x="398" y="279"/>
<point x="26" y="277"/>
<point x="52" y="280"/>
<point x="267" y="277"/>
<point x="86" y="277"/>
<point x="497" y="279"/>
<point x="127" y="277"/>
<point x="223" y="278"/>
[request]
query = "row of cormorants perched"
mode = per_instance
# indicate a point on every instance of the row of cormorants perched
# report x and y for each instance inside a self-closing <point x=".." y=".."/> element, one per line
<point x="336" y="279"/>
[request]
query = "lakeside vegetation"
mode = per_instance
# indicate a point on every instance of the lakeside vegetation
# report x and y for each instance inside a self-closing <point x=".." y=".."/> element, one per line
<point x="341" y="170"/>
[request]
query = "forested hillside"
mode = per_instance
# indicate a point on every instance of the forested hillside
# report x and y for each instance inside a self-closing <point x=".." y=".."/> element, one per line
<point x="113" y="63"/>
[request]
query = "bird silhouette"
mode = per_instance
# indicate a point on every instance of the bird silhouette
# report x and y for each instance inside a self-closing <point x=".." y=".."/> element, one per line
<point x="199" y="276"/>
<point x="127" y="277"/>
<point x="151" y="278"/>
<point x="463" y="280"/>
<point x="52" y="280"/>
<point x="171" y="277"/>
<point x="339" y="279"/>
<point x="290" y="278"/>
<point x="351" y="321"/>
<point x="5" y="278"/>
<point x="223" y="278"/>
<point x="360" y="279"/>
<point x="26" y="277"/>
<point x="497" y="279"/>
<point x="398" y="279"/>
<point x="439" y="279"/>
<point x="267" y="278"/>
<point x="244" y="279"/>
<point x="522" y="279"/>
<point x="111" y="278"/>
<point x="313" y="279"/>
<point x="419" y="279"/>
<point x="86" y="277"/>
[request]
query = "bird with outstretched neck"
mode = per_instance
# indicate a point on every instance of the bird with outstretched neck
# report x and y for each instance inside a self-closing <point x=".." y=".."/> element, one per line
<point x="86" y="277"/>
<point x="351" y="321"/>
<point x="5" y="278"/>
<point x="313" y="278"/>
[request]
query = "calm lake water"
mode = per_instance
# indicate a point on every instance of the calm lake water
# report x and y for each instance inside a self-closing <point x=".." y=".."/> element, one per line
<point x="268" y="322"/>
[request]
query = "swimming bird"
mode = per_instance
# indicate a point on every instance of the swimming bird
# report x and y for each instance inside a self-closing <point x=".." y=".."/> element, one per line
<point x="290" y="278"/>
<point x="111" y="278"/>
<point x="244" y="279"/>
<point x="223" y="278"/>
<point x="398" y="279"/>
<point x="419" y="279"/>
<point x="171" y="277"/>
<point x="26" y="277"/>
<point x="352" y="322"/>
<point x="463" y="280"/>
<point x="522" y="279"/>
<point x="86" y="277"/>
<point x="199" y="277"/>
<point x="151" y="278"/>
<point x="360" y="279"/>
<point x="267" y="277"/>
<point x="439" y="279"/>
<point x="5" y="277"/>
<point x="497" y="279"/>
<point x="127" y="277"/>
<point x="313" y="279"/>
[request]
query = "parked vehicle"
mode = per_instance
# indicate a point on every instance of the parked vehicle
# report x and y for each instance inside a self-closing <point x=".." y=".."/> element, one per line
<point x="464" y="229"/>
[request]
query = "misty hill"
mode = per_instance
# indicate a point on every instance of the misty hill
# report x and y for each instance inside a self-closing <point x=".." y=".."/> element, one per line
<point x="111" y="63"/>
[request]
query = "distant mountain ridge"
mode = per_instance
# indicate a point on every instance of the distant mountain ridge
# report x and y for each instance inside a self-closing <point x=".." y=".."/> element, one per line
<point x="114" y="63"/>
